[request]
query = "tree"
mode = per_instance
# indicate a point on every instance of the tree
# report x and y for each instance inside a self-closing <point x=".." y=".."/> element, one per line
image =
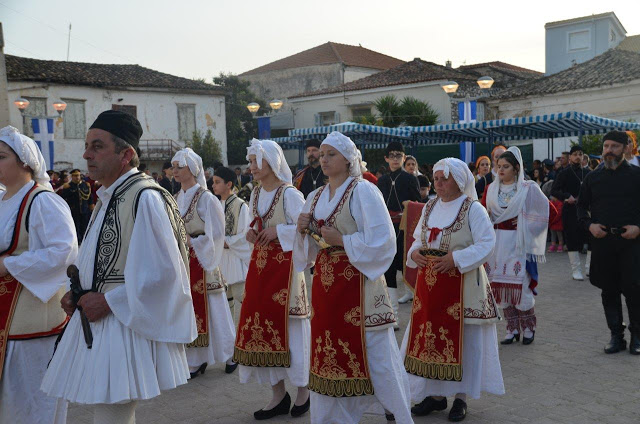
<point x="241" y="126"/>
<point x="390" y="111"/>
<point x="417" y="113"/>
<point x="207" y="148"/>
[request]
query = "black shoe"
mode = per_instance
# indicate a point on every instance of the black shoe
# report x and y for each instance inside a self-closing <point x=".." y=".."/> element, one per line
<point x="616" y="344"/>
<point x="200" y="370"/>
<point x="230" y="368"/>
<point x="458" y="411"/>
<point x="280" y="409"/>
<point x="297" y="411"/>
<point x="528" y="340"/>
<point x="389" y="417"/>
<point x="428" y="405"/>
<point x="508" y="341"/>
<point x="634" y="345"/>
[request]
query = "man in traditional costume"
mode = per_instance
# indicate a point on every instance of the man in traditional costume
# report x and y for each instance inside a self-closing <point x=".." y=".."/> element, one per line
<point x="355" y="361"/>
<point x="203" y="219"/>
<point x="397" y="187"/>
<point x="310" y="177"/>
<point x="519" y="212"/>
<point x="273" y="332"/>
<point x="450" y="346"/>
<point x="35" y="251"/>
<point x="609" y="207"/>
<point x="236" y="255"/>
<point x="133" y="286"/>
<point x="566" y="188"/>
<point x="77" y="194"/>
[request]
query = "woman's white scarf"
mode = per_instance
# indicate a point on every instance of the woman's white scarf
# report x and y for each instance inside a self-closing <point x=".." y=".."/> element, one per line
<point x="269" y="150"/>
<point x="187" y="157"/>
<point x="28" y="153"/>
<point x="530" y="206"/>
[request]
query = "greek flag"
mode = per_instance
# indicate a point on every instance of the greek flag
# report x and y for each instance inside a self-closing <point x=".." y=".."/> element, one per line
<point x="43" y="136"/>
<point x="467" y="151"/>
<point x="467" y="111"/>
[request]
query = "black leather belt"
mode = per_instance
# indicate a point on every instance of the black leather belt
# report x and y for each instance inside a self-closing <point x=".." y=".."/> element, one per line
<point x="616" y="231"/>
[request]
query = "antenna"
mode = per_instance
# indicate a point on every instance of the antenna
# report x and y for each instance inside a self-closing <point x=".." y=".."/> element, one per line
<point x="69" y="42"/>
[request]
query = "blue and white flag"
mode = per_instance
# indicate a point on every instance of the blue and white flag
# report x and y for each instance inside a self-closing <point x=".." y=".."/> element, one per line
<point x="467" y="111"/>
<point x="467" y="151"/>
<point x="43" y="136"/>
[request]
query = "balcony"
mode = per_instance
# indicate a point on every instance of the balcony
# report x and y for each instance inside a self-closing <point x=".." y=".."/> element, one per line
<point x="162" y="149"/>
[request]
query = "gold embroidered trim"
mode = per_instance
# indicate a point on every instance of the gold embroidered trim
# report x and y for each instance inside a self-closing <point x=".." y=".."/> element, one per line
<point x="201" y="341"/>
<point x="449" y="372"/>
<point x="262" y="359"/>
<point x="340" y="388"/>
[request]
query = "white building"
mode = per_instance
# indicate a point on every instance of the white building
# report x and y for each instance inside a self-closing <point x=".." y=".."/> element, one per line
<point x="169" y="108"/>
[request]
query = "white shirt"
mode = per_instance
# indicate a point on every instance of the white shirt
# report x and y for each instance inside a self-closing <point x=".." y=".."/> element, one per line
<point x="53" y="245"/>
<point x="293" y="203"/>
<point x="208" y="246"/>
<point x="238" y="244"/>
<point x="443" y="215"/>
<point x="155" y="301"/>
<point x="372" y="248"/>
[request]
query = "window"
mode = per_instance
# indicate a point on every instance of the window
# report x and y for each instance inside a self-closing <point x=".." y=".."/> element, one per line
<point x="360" y="111"/>
<point x="327" y="118"/>
<point x="74" y="120"/>
<point x="579" y="40"/>
<point x="130" y="109"/>
<point x="37" y="108"/>
<point x="186" y="121"/>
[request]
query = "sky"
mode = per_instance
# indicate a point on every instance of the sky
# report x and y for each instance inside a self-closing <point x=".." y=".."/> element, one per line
<point x="200" y="39"/>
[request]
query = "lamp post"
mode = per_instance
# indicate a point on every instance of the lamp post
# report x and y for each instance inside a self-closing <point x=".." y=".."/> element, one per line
<point x="60" y="106"/>
<point x="21" y="104"/>
<point x="276" y="104"/>
<point x="253" y="108"/>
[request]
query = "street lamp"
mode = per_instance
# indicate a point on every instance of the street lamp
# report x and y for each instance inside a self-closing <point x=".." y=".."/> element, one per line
<point x="275" y="104"/>
<point x="21" y="104"/>
<point x="253" y="107"/>
<point x="60" y="106"/>
<point x="485" y="82"/>
<point x="450" y="87"/>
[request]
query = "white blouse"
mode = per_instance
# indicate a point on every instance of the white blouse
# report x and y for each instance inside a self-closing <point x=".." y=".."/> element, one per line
<point x="238" y="244"/>
<point x="293" y="203"/>
<point x="53" y="245"/>
<point x="372" y="248"/>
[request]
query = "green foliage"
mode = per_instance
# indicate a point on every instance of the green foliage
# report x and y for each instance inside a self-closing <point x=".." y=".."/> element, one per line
<point x="241" y="126"/>
<point x="206" y="147"/>
<point x="390" y="111"/>
<point x="591" y="144"/>
<point x="417" y="113"/>
<point x="368" y="120"/>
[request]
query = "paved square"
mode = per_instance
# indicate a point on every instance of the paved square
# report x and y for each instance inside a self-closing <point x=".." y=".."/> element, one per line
<point x="563" y="377"/>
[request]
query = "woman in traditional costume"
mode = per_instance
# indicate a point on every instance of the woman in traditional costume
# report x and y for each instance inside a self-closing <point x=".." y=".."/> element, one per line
<point x="272" y="343"/>
<point x="204" y="221"/>
<point x="355" y="361"/>
<point x="35" y="252"/>
<point x="520" y="214"/>
<point x="450" y="347"/>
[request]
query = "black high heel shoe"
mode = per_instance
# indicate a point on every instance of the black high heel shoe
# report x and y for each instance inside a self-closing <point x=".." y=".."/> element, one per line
<point x="280" y="409"/>
<point x="200" y="370"/>
<point x="230" y="368"/>
<point x="528" y="340"/>
<point x="298" y="411"/>
<point x="515" y="337"/>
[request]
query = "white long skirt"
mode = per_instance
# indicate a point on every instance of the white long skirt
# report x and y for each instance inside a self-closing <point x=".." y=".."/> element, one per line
<point x="390" y="387"/>
<point x="481" y="371"/>
<point x="222" y="334"/>
<point x="21" y="401"/>
<point x="122" y="365"/>
<point x="298" y="372"/>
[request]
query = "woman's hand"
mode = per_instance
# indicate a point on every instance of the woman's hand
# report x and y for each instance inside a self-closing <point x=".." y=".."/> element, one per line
<point x="419" y="258"/>
<point x="266" y="236"/>
<point x="252" y="236"/>
<point x="332" y="236"/>
<point x="304" y="219"/>
<point x="444" y="263"/>
<point x="3" y="269"/>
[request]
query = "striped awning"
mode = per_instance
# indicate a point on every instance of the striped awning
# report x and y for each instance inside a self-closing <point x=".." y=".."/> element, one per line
<point x="554" y="125"/>
<point x="357" y="132"/>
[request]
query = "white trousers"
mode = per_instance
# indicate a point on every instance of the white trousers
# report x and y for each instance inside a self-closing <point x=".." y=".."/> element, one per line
<point x="117" y="413"/>
<point x="236" y="293"/>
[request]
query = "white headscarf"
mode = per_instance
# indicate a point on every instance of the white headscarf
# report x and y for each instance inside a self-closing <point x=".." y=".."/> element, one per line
<point x="530" y="206"/>
<point x="269" y="150"/>
<point x="187" y="157"/>
<point x="348" y="149"/>
<point x="28" y="153"/>
<point x="461" y="174"/>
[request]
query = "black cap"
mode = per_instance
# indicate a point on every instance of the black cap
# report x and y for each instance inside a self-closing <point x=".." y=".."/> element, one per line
<point x="394" y="146"/>
<point x="120" y="124"/>
<point x="312" y="143"/>
<point x="617" y="136"/>
<point x="575" y="148"/>
<point x="226" y="174"/>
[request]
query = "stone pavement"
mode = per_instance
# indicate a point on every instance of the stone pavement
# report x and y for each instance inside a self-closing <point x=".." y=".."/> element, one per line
<point x="563" y="377"/>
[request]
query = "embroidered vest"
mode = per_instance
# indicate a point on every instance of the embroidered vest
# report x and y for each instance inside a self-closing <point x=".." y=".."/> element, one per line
<point x="231" y="212"/>
<point x="378" y="311"/>
<point x="298" y="300"/>
<point x="31" y="317"/>
<point x="194" y="225"/>
<point x="117" y="227"/>
<point x="479" y="303"/>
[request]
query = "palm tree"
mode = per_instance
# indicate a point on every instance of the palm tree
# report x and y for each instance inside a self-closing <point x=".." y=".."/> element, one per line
<point x="416" y="113"/>
<point x="390" y="111"/>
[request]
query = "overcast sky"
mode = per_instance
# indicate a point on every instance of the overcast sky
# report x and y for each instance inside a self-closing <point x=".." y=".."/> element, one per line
<point x="200" y="38"/>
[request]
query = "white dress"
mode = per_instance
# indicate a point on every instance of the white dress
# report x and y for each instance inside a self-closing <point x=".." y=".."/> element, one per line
<point x="480" y="359"/>
<point x="371" y="250"/>
<point x="138" y="349"/>
<point x="43" y="271"/>
<point x="299" y="330"/>
<point x="235" y="259"/>
<point x="208" y="249"/>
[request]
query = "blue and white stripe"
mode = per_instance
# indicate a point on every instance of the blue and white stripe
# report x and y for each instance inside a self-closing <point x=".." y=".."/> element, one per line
<point x="43" y="130"/>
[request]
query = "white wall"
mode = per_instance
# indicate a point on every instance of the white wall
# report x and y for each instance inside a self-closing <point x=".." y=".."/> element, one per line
<point x="352" y="73"/>
<point x="156" y="111"/>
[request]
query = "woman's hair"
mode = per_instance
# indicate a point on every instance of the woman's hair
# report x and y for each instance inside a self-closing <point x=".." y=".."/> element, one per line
<point x="480" y="159"/>
<point x="509" y="157"/>
<point x="409" y="157"/>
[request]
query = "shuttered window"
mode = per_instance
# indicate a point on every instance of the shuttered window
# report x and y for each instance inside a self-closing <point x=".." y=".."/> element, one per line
<point x="74" y="120"/>
<point x="186" y="121"/>
<point x="37" y="109"/>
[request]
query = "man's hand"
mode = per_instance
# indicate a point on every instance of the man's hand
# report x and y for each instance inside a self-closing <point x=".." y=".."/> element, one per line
<point x="597" y="230"/>
<point x="444" y="263"/>
<point x="67" y="303"/>
<point x="419" y="258"/>
<point x="304" y="219"/>
<point x="3" y="269"/>
<point x="332" y="236"/>
<point x="94" y="306"/>
<point x="632" y="232"/>
<point x="267" y="235"/>
<point x="252" y="236"/>
<point x="571" y="200"/>
<point x="226" y="246"/>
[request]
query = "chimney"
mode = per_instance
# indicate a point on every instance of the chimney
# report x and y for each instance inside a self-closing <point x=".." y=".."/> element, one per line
<point x="447" y="64"/>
